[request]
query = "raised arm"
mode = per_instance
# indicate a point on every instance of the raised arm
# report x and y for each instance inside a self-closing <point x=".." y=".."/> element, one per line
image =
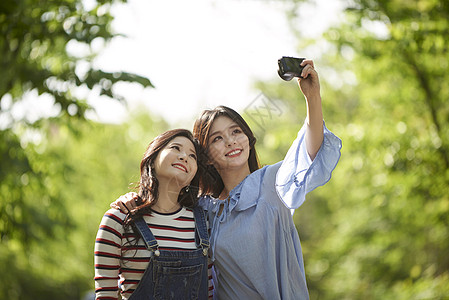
<point x="310" y="87"/>
<point x="298" y="175"/>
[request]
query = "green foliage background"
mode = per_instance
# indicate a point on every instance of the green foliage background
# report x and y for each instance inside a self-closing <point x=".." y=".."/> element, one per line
<point x="52" y="202"/>
<point x="377" y="230"/>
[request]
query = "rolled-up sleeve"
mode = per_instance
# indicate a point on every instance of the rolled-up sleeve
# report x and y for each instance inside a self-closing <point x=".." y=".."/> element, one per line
<point x="299" y="175"/>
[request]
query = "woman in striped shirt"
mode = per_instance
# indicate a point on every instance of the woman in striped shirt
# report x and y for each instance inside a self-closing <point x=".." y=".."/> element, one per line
<point x="159" y="251"/>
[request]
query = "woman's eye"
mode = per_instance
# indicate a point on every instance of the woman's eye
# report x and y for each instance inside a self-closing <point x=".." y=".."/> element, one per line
<point x="217" y="138"/>
<point x="237" y="131"/>
<point x="175" y="147"/>
<point x="193" y="156"/>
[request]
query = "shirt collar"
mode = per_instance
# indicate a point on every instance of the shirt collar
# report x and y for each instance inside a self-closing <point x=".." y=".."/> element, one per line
<point x="246" y="193"/>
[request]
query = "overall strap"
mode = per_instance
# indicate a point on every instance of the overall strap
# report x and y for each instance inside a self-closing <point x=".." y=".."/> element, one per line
<point x="201" y="229"/>
<point x="147" y="235"/>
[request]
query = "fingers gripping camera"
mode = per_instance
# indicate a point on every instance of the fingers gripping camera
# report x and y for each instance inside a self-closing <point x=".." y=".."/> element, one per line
<point x="289" y="67"/>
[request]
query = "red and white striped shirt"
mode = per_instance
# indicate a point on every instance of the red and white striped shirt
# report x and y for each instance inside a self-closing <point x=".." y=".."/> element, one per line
<point x="119" y="264"/>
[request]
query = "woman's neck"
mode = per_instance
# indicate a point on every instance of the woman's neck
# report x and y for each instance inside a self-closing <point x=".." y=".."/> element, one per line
<point x="231" y="178"/>
<point x="167" y="201"/>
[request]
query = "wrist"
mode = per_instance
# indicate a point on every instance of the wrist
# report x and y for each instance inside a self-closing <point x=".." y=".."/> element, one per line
<point x="316" y="98"/>
<point x="314" y="103"/>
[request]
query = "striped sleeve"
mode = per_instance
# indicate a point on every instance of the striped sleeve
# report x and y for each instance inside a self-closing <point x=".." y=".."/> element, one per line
<point x="107" y="255"/>
<point x="210" y="279"/>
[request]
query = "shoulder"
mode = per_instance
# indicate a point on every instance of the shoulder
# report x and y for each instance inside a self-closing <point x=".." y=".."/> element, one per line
<point x="187" y="214"/>
<point x="111" y="226"/>
<point x="114" y="216"/>
<point x="263" y="175"/>
<point x="271" y="170"/>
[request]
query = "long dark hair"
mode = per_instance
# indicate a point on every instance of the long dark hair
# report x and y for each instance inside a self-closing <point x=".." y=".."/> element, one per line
<point x="148" y="185"/>
<point x="210" y="180"/>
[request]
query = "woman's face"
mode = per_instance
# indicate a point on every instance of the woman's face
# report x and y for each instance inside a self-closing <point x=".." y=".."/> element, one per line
<point x="176" y="162"/>
<point x="228" y="146"/>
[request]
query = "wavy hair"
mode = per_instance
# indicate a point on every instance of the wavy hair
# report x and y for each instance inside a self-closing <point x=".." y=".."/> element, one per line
<point x="148" y="186"/>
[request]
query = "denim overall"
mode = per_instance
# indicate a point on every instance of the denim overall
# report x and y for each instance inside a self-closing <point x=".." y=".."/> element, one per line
<point x="175" y="274"/>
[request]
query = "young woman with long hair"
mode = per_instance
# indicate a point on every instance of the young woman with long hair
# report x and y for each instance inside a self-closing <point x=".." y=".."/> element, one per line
<point x="160" y="250"/>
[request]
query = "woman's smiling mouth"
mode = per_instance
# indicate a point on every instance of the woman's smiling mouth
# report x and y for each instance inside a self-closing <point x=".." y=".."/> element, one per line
<point x="234" y="152"/>
<point x="180" y="167"/>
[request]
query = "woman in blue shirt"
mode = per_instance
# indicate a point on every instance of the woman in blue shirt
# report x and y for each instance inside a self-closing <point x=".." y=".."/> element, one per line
<point x="255" y="246"/>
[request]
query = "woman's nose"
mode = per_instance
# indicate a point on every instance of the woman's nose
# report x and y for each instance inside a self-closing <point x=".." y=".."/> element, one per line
<point x="230" y="140"/>
<point x="182" y="156"/>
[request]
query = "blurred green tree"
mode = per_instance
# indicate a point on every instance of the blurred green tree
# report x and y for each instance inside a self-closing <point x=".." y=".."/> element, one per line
<point x="35" y="42"/>
<point x="54" y="208"/>
<point x="380" y="228"/>
<point x="48" y="48"/>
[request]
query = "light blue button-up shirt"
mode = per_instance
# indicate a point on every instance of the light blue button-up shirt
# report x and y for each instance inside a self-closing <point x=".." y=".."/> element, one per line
<point x="255" y="246"/>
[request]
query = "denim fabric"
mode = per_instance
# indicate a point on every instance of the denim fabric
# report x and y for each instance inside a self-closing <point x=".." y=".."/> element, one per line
<point x="255" y="245"/>
<point x="175" y="274"/>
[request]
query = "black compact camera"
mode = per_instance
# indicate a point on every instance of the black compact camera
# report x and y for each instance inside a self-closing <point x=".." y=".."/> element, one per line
<point x="289" y="67"/>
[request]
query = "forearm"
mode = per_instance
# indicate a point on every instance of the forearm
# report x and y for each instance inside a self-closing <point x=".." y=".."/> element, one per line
<point x="314" y="131"/>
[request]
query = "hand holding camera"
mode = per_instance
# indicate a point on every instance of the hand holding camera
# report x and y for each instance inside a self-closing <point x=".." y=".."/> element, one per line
<point x="290" y="67"/>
